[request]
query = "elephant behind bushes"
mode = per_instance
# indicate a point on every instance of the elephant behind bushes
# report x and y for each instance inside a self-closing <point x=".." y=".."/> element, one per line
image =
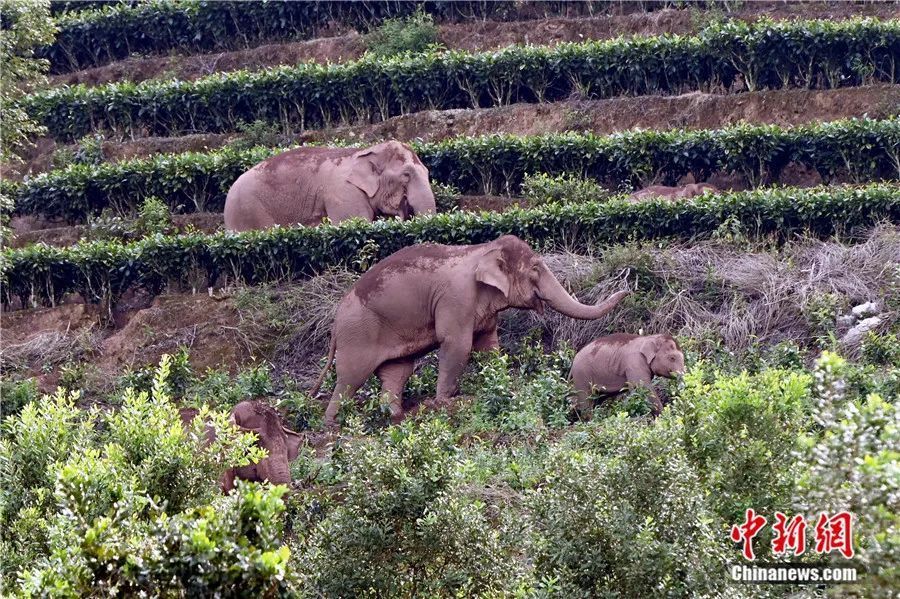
<point x="306" y="185"/>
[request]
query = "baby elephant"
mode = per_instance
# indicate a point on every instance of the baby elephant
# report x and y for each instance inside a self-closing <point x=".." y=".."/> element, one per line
<point x="282" y="444"/>
<point x="610" y="364"/>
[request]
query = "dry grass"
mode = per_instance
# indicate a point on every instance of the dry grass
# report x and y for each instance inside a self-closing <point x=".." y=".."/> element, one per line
<point x="49" y="348"/>
<point x="711" y="290"/>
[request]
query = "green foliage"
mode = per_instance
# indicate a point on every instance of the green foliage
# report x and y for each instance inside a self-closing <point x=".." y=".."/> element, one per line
<point x="882" y="348"/>
<point x="851" y="464"/>
<point x="741" y="433"/>
<point x="26" y="24"/>
<point x="415" y="33"/>
<point x="102" y="271"/>
<point x="623" y="514"/>
<point x="127" y="501"/>
<point x="763" y="55"/>
<point x="854" y="149"/>
<point x="406" y="527"/>
<point x="15" y="395"/>
<point x="258" y="134"/>
<point x="446" y="197"/>
<point x="153" y="218"/>
<point x="542" y="189"/>
<point x="93" y="37"/>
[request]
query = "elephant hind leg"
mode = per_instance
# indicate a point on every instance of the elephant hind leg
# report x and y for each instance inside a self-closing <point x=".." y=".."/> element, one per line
<point x="393" y="375"/>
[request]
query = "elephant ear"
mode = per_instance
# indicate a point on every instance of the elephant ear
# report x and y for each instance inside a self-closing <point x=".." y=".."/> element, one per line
<point x="491" y="270"/>
<point x="650" y="347"/>
<point x="365" y="173"/>
<point x="293" y="444"/>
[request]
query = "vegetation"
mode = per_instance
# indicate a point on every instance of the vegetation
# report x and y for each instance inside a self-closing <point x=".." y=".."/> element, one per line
<point x="855" y="150"/>
<point x="762" y="55"/>
<point x="416" y="33"/>
<point x="91" y="38"/>
<point x="26" y="24"/>
<point x="102" y="271"/>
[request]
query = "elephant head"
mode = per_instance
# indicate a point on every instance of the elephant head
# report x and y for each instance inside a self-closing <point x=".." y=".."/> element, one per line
<point x="282" y="444"/>
<point x="696" y="189"/>
<point x="511" y="267"/>
<point x="663" y="355"/>
<point x="394" y="180"/>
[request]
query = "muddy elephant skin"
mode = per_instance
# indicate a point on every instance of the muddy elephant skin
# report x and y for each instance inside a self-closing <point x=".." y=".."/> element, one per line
<point x="305" y="185"/>
<point x="445" y="297"/>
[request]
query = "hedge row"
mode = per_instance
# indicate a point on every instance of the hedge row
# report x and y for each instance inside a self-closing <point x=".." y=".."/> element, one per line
<point x="820" y="54"/>
<point x="97" y="37"/>
<point x="858" y="150"/>
<point x="102" y="271"/>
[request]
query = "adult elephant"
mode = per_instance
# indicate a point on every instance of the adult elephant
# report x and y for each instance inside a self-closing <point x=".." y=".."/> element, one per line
<point x="304" y="185"/>
<point x="432" y="296"/>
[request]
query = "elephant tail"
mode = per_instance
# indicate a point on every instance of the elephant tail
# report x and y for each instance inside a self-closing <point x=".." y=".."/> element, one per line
<point x="328" y="360"/>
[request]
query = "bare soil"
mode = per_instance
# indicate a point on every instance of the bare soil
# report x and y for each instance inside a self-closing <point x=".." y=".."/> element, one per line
<point x="139" y="336"/>
<point x="696" y="110"/>
<point x="471" y="36"/>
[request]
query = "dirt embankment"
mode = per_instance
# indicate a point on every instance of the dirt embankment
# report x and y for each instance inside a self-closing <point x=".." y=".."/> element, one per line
<point x="695" y="110"/>
<point x="471" y="36"/>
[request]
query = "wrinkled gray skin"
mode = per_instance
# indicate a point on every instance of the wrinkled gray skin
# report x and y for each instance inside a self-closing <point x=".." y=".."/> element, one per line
<point x="281" y="443"/>
<point x="673" y="193"/>
<point x="304" y="185"/>
<point x="611" y="364"/>
<point x="431" y="296"/>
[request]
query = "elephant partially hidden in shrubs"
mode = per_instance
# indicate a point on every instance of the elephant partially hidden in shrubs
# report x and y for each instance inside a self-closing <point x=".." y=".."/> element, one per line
<point x="673" y="193"/>
<point x="431" y="296"/>
<point x="305" y="185"/>
<point x="282" y="444"/>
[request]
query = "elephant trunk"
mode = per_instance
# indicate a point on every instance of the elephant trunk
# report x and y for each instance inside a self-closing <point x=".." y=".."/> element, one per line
<point x="559" y="299"/>
<point x="277" y="470"/>
<point x="420" y="198"/>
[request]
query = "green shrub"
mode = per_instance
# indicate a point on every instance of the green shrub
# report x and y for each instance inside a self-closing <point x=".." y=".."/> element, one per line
<point x="127" y="501"/>
<point x="406" y="526"/>
<point x="857" y="149"/>
<point x="153" y="218"/>
<point x="415" y="33"/>
<point x="741" y="434"/>
<point x="542" y="189"/>
<point x="762" y="55"/>
<point x="851" y="464"/>
<point x="102" y="271"/>
<point x="258" y="134"/>
<point x="621" y="513"/>
<point x="15" y="395"/>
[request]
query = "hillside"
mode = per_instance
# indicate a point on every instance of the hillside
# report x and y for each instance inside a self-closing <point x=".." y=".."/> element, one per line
<point x="126" y="309"/>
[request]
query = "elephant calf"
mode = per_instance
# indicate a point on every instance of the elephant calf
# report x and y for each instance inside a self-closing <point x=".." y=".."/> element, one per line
<point x="673" y="193"/>
<point x="282" y="444"/>
<point x="305" y="185"/>
<point x="430" y="296"/>
<point x="611" y="364"/>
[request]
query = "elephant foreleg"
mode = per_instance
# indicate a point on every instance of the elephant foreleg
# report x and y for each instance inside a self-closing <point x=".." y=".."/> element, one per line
<point x="349" y="380"/>
<point x="456" y="346"/>
<point x="394" y="375"/>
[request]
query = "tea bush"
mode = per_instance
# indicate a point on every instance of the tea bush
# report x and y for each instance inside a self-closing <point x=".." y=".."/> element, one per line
<point x="543" y="189"/>
<point x="416" y="33"/>
<point x="762" y="55"/>
<point x="127" y="501"/>
<point x="853" y="149"/>
<point x="405" y="527"/>
<point x="102" y="271"/>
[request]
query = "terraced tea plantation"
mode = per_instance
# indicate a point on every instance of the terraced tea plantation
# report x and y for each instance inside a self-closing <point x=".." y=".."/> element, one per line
<point x="133" y="322"/>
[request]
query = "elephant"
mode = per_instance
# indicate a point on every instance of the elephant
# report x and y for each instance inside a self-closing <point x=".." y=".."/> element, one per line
<point x="673" y="193"/>
<point x="282" y="444"/>
<point x="305" y="185"/>
<point x="613" y="363"/>
<point x="430" y="296"/>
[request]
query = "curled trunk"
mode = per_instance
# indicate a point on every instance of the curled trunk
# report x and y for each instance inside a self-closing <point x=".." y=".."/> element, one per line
<point x="559" y="299"/>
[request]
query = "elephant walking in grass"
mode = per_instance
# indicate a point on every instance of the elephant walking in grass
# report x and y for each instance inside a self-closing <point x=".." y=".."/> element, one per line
<point x="611" y="364"/>
<point x="306" y="185"/>
<point x="445" y="297"/>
